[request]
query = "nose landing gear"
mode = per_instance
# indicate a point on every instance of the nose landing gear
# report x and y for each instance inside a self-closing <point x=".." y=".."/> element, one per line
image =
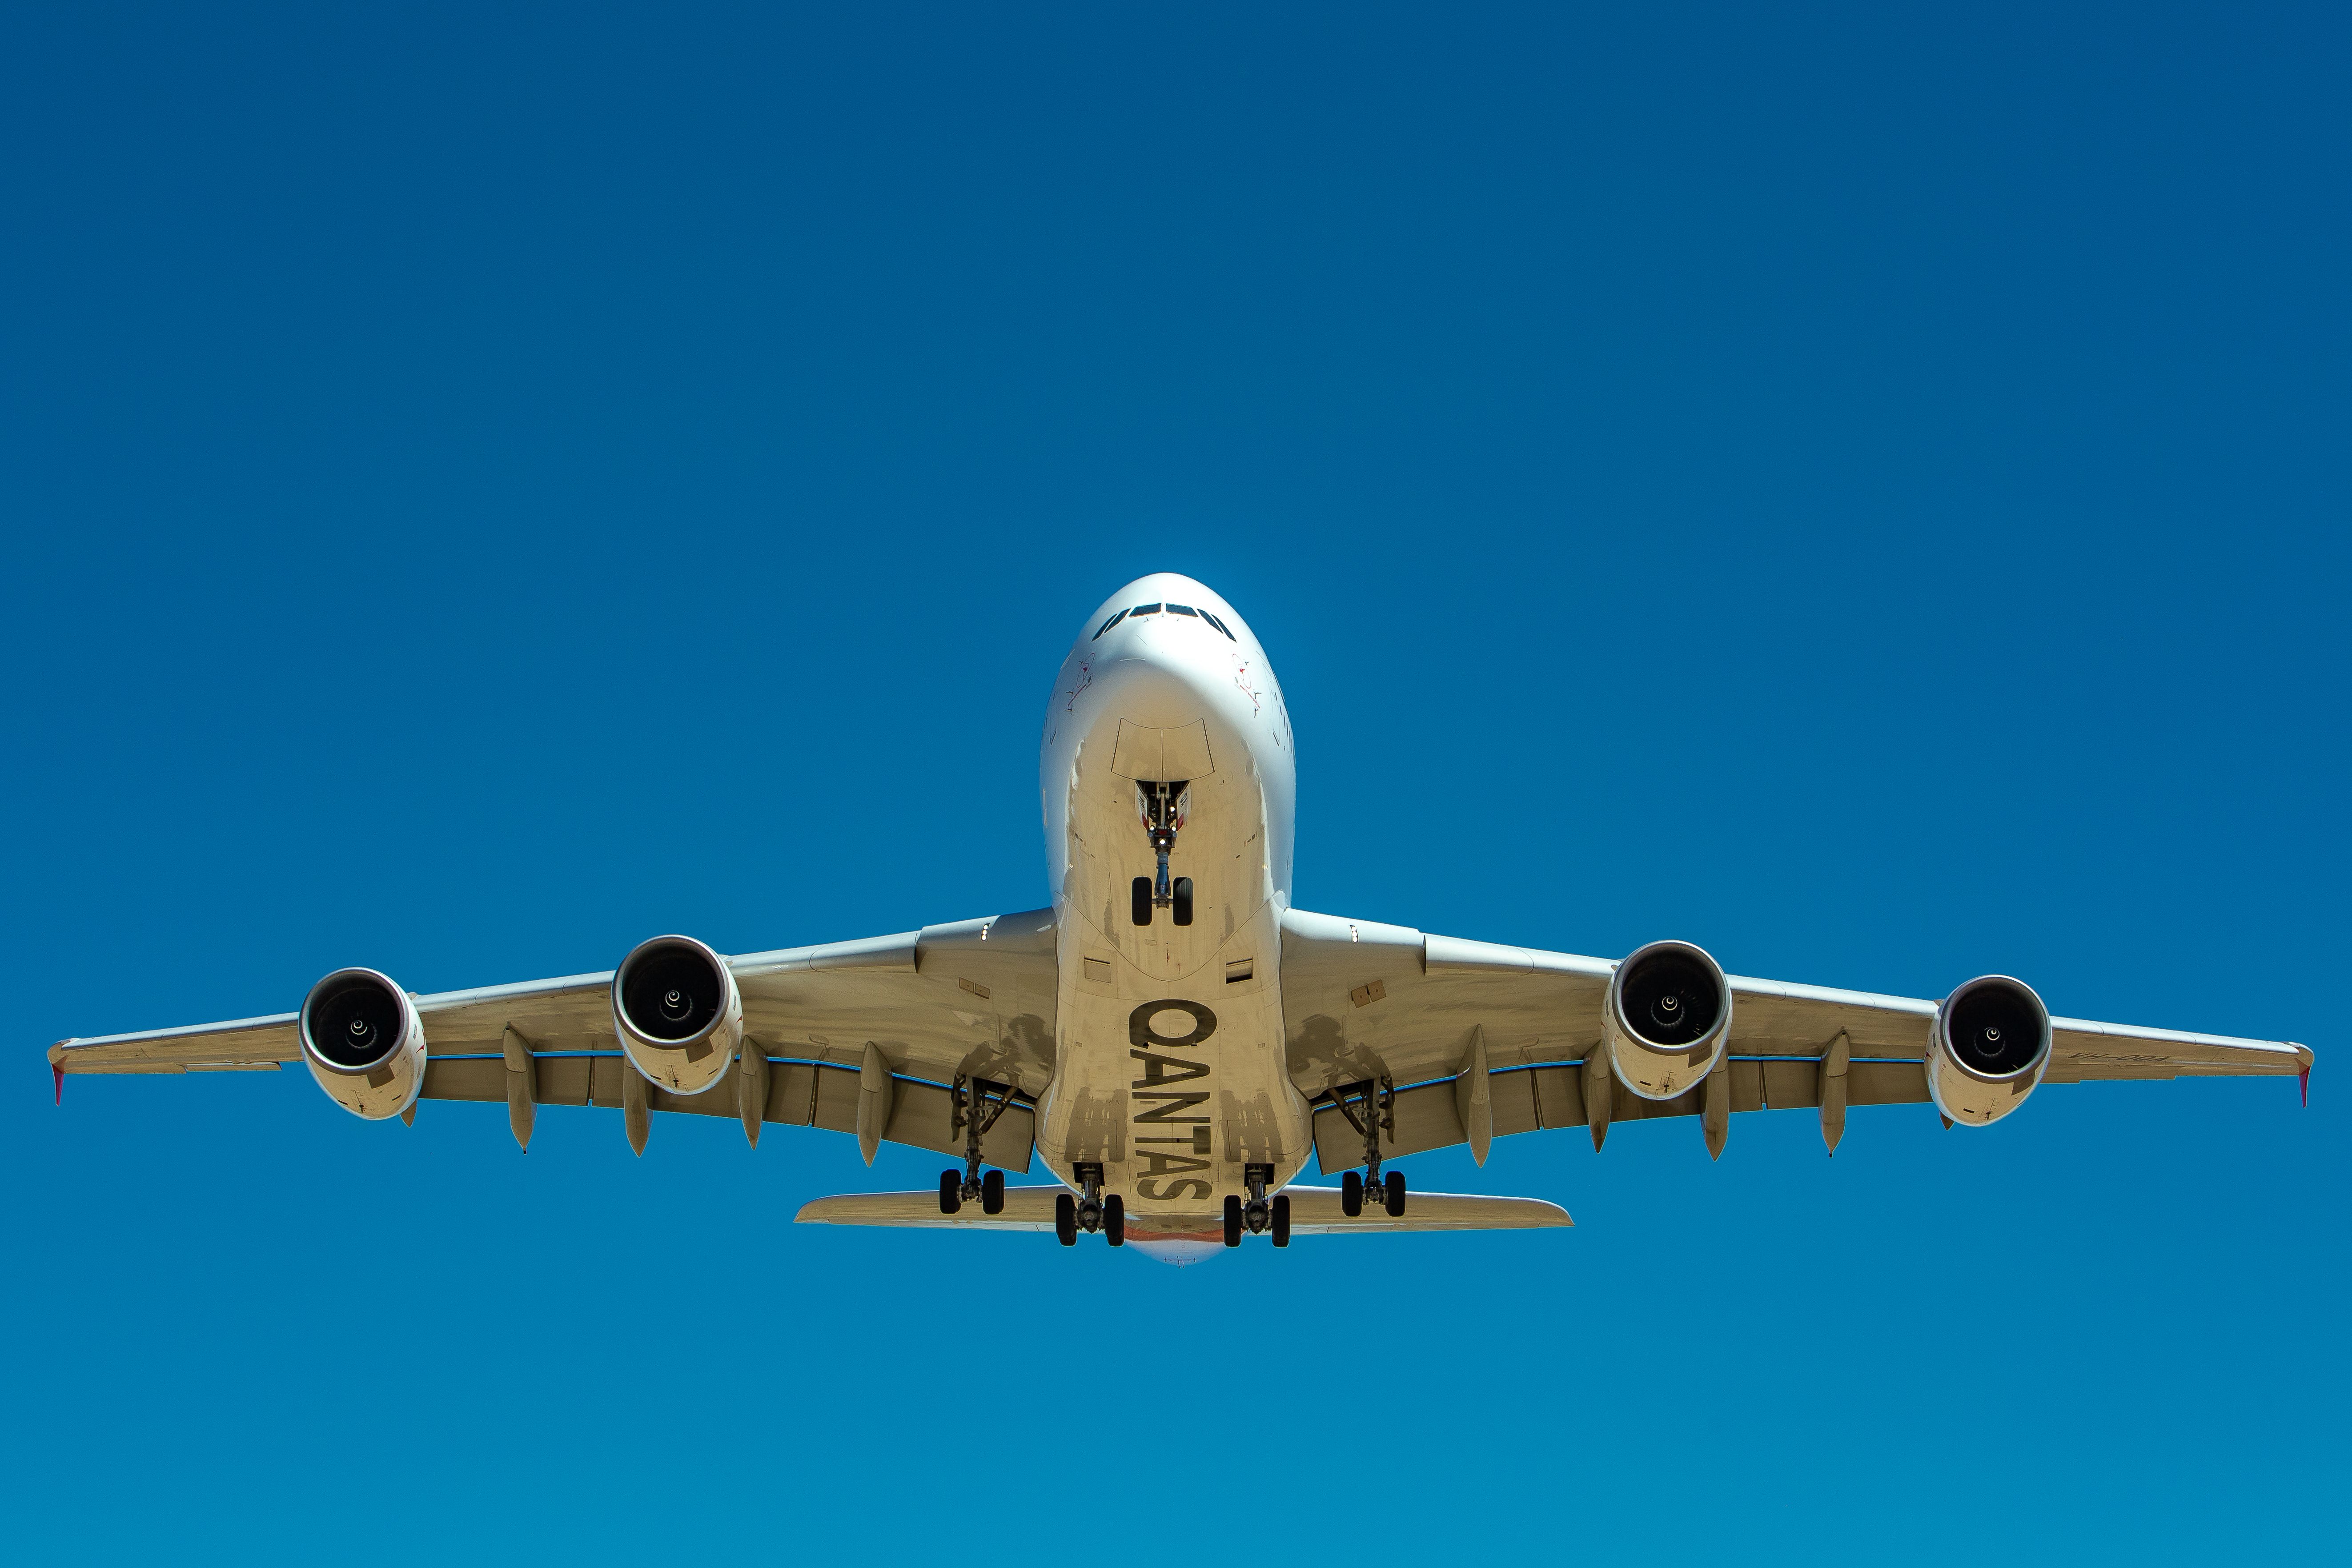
<point x="1163" y="808"/>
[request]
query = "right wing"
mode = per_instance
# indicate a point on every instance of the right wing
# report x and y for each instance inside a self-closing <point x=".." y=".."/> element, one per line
<point x="1364" y="1001"/>
<point x="974" y="998"/>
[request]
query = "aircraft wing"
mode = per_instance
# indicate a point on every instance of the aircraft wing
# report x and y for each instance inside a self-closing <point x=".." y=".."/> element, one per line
<point x="1364" y="1001"/>
<point x="975" y="997"/>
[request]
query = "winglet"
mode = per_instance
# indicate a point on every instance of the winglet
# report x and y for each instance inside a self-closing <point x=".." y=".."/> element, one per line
<point x="2303" y="1081"/>
<point x="57" y="1071"/>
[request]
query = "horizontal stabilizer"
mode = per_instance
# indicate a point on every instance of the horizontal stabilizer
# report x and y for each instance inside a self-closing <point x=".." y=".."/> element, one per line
<point x="1314" y="1211"/>
<point x="1025" y="1208"/>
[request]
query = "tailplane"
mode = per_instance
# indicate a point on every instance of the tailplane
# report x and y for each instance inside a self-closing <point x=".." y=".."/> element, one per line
<point x="1314" y="1211"/>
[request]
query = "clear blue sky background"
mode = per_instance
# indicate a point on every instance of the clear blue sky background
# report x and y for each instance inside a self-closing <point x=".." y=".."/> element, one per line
<point x="486" y="485"/>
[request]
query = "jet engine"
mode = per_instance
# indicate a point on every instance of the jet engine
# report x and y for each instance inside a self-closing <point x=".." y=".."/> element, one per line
<point x="364" y="1042"/>
<point x="678" y="1012"/>
<point x="1667" y="1019"/>
<point x="1987" y="1048"/>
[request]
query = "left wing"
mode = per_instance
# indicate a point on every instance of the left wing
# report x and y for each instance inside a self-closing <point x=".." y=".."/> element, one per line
<point x="974" y="998"/>
<point x="1364" y="1001"/>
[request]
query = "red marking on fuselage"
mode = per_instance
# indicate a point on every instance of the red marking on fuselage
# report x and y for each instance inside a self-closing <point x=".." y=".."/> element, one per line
<point x="1241" y="679"/>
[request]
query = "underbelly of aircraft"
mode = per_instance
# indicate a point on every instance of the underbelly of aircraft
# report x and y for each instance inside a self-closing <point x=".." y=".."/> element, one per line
<point x="1174" y="1085"/>
<point x="1170" y="1070"/>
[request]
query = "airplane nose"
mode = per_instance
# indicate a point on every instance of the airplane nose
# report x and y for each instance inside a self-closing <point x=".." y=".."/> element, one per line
<point x="1162" y="683"/>
<point x="1163" y="658"/>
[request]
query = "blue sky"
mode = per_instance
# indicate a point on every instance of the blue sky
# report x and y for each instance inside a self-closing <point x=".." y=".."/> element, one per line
<point x="485" y="485"/>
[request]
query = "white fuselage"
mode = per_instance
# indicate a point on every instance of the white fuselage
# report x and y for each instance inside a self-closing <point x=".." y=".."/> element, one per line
<point x="1170" y="1065"/>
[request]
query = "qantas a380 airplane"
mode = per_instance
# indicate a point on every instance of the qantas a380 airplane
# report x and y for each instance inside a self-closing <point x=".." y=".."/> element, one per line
<point x="1172" y="1038"/>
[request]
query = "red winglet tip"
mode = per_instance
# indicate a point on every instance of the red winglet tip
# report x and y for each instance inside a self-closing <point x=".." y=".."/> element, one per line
<point x="57" y="1071"/>
<point x="2303" y="1081"/>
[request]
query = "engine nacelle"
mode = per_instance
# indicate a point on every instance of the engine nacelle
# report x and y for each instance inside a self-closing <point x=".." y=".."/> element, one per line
<point x="1988" y="1046"/>
<point x="364" y="1042"/>
<point x="678" y="1012"/>
<point x="1666" y="1020"/>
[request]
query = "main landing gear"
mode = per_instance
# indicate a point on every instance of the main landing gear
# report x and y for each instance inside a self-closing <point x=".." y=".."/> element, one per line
<point x="1260" y="1214"/>
<point x="1371" y="1109"/>
<point x="1388" y="1193"/>
<point x="1162" y="807"/>
<point x="1090" y="1209"/>
<point x="977" y="1104"/>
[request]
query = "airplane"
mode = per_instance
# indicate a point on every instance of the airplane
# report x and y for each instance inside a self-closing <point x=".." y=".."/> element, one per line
<point x="1171" y="1038"/>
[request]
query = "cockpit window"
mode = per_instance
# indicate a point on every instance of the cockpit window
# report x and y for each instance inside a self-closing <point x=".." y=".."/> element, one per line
<point x="1170" y="609"/>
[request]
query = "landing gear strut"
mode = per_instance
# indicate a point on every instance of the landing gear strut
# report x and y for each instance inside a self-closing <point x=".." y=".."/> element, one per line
<point x="1371" y="1109"/>
<point x="1162" y="807"/>
<point x="1260" y="1214"/>
<point x="1090" y="1209"/>
<point x="978" y="1102"/>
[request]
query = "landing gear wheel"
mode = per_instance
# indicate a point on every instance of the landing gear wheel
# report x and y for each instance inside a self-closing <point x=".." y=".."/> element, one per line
<point x="974" y="1104"/>
<point x="1065" y="1219"/>
<point x="1183" y="899"/>
<point x="1139" y="901"/>
<point x="1115" y="1220"/>
<point x="1351" y="1194"/>
<point x="1395" y="1204"/>
<point x="1282" y="1220"/>
<point x="1232" y="1221"/>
